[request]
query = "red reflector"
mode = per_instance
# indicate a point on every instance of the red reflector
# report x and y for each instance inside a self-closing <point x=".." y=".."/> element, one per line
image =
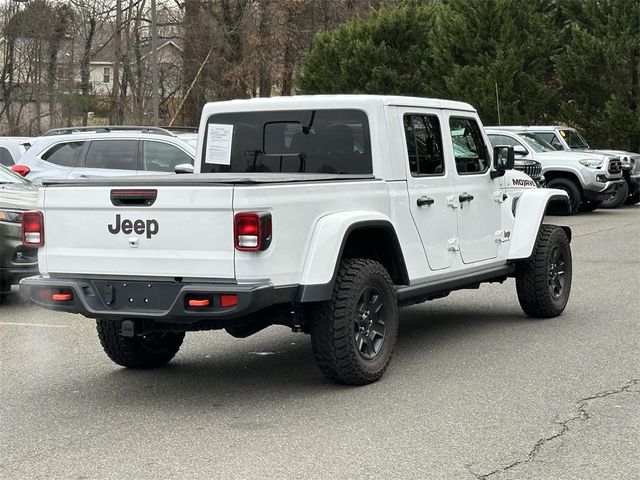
<point x="22" y="170"/>
<point x="227" y="301"/>
<point x="32" y="229"/>
<point x="196" y="302"/>
<point x="61" y="297"/>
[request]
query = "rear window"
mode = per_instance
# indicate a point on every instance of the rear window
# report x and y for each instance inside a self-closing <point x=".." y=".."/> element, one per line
<point x="64" y="154"/>
<point x="307" y="141"/>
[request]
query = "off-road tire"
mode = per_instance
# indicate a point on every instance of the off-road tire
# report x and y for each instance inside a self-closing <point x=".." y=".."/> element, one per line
<point x="141" y="352"/>
<point x="633" y="199"/>
<point x="333" y="325"/>
<point x="574" y="191"/>
<point x="534" y="280"/>
<point x="617" y="198"/>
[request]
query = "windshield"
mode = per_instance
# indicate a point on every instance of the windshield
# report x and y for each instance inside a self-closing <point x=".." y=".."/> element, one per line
<point x="7" y="176"/>
<point x="536" y="143"/>
<point x="307" y="141"/>
<point x="574" y="139"/>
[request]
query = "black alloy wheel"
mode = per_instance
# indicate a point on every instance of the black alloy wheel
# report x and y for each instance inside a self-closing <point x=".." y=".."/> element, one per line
<point x="557" y="272"/>
<point x="369" y="323"/>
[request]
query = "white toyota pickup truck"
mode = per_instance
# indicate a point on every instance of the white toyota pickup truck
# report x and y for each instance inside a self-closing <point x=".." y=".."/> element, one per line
<point x="321" y="213"/>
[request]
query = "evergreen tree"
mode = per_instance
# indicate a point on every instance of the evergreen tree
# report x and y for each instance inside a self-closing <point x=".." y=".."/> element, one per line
<point x="600" y="71"/>
<point x="386" y="53"/>
<point x="478" y="44"/>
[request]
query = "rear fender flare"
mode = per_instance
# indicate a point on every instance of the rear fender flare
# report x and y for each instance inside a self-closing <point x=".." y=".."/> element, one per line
<point x="326" y="248"/>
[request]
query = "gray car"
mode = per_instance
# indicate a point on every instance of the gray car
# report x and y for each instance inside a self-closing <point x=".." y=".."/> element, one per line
<point x="103" y="152"/>
<point x="16" y="260"/>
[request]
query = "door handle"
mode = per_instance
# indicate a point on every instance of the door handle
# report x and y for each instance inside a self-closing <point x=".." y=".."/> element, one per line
<point x="465" y="197"/>
<point x="422" y="201"/>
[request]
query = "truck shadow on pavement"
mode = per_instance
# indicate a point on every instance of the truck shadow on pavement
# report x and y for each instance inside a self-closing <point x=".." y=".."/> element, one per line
<point x="273" y="366"/>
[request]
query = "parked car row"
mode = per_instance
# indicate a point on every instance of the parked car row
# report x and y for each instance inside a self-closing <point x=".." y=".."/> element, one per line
<point x="589" y="177"/>
<point x="567" y="139"/>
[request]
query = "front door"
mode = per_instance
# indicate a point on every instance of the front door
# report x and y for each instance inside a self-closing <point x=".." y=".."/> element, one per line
<point x="429" y="182"/>
<point x="476" y="201"/>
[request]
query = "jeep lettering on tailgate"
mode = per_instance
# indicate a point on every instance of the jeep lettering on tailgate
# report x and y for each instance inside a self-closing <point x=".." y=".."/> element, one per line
<point x="137" y="226"/>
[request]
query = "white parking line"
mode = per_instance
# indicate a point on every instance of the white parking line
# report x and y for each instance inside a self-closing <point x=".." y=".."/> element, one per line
<point x="34" y="325"/>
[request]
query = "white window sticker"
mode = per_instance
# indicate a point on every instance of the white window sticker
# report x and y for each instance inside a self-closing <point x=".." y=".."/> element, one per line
<point x="219" y="139"/>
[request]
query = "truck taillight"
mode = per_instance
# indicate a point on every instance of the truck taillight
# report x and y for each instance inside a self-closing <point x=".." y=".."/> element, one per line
<point x="32" y="229"/>
<point x="22" y="170"/>
<point x="252" y="231"/>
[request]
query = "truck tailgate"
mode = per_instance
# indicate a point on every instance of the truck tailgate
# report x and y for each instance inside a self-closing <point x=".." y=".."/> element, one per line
<point x="187" y="231"/>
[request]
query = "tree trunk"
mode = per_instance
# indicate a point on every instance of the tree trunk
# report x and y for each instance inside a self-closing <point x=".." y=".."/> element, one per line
<point x="264" y="31"/>
<point x="85" y="71"/>
<point x="289" y="54"/>
<point x="52" y="66"/>
<point x="114" y="113"/>
<point x="7" y="83"/>
<point x="191" y="57"/>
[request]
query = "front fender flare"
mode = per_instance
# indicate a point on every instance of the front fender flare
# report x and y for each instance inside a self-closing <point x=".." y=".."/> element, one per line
<point x="529" y="212"/>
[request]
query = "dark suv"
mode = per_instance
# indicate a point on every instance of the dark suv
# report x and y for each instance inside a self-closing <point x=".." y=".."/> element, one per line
<point x="16" y="261"/>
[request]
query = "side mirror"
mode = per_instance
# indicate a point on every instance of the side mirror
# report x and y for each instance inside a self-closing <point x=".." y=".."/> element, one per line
<point x="503" y="160"/>
<point x="520" y="150"/>
<point x="184" y="168"/>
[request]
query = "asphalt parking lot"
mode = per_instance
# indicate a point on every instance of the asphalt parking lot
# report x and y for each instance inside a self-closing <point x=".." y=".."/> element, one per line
<point x="475" y="390"/>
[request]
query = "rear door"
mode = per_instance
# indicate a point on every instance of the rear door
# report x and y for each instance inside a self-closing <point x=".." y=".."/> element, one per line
<point x="107" y="158"/>
<point x="186" y="231"/>
<point x="479" y="213"/>
<point x="429" y="183"/>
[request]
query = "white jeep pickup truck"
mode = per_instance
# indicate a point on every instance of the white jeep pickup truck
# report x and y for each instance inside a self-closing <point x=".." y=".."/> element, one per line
<point x="323" y="213"/>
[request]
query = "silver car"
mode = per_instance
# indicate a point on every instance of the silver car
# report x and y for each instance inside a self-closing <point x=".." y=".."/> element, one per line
<point x="94" y="152"/>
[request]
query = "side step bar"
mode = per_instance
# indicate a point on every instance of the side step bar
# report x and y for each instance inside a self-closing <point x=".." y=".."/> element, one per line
<point x="412" y="294"/>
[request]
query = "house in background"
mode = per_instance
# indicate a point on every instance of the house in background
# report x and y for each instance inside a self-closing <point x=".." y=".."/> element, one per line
<point x="169" y="69"/>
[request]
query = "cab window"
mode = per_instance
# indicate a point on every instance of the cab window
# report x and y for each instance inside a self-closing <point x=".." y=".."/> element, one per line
<point x="308" y="141"/>
<point x="424" y="144"/>
<point x="469" y="149"/>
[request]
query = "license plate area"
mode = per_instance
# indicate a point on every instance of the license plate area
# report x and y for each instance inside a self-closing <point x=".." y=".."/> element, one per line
<point x="123" y="295"/>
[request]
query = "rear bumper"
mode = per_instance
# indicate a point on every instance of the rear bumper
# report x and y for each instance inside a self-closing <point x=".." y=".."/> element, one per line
<point x="165" y="302"/>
